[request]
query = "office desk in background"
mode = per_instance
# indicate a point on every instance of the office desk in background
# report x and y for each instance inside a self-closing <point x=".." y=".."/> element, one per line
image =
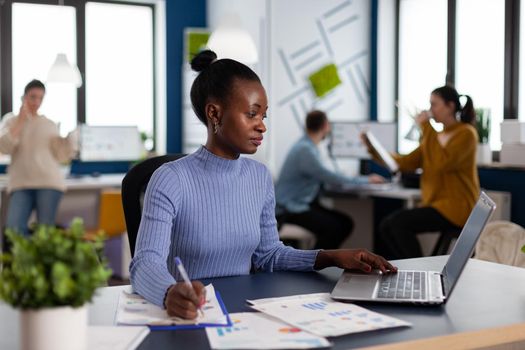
<point x="487" y="295"/>
<point x="80" y="199"/>
<point x="410" y="196"/>
<point x="360" y="203"/>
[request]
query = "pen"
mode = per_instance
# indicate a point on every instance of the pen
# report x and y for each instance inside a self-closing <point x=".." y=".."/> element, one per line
<point x="185" y="277"/>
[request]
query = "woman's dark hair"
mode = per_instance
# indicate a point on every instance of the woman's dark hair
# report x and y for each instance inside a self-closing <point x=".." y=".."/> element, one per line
<point x="34" y="84"/>
<point x="449" y="94"/>
<point x="315" y="120"/>
<point x="215" y="80"/>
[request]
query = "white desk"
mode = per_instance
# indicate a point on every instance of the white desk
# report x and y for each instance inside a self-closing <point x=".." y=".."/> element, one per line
<point x="94" y="182"/>
<point x="358" y="203"/>
<point x="474" y="305"/>
<point x="80" y="199"/>
<point x="410" y="196"/>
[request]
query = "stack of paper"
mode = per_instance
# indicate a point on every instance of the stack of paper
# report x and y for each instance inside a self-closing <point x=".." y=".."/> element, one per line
<point x="320" y="315"/>
<point x="133" y="309"/>
<point x="255" y="330"/>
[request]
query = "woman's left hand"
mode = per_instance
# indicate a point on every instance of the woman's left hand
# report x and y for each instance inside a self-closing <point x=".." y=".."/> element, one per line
<point x="353" y="259"/>
<point x="376" y="179"/>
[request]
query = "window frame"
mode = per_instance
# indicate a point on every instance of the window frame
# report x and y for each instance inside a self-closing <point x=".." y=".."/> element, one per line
<point x="6" y="83"/>
<point x="511" y="55"/>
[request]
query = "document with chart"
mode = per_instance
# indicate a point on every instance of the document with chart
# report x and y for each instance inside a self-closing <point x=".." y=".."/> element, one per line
<point x="255" y="330"/>
<point x="133" y="309"/>
<point x="390" y="162"/>
<point x="322" y="316"/>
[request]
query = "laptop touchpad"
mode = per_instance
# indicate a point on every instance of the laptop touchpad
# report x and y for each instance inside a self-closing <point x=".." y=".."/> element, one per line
<point x="359" y="286"/>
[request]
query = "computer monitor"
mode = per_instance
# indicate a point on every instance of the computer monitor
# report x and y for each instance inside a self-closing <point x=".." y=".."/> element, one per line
<point x="346" y="140"/>
<point x="109" y="143"/>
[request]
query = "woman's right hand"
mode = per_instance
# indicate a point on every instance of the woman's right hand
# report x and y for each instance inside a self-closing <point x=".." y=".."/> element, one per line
<point x="18" y="125"/>
<point x="423" y="117"/>
<point x="23" y="114"/>
<point x="184" y="301"/>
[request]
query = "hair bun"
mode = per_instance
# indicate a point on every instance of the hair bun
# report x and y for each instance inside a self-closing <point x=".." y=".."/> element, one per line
<point x="203" y="60"/>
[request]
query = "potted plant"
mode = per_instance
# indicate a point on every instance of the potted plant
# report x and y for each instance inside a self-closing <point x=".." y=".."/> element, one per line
<point x="484" y="154"/>
<point x="50" y="276"/>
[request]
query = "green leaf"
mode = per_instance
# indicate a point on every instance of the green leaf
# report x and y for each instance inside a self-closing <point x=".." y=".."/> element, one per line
<point x="523" y="249"/>
<point x="483" y="124"/>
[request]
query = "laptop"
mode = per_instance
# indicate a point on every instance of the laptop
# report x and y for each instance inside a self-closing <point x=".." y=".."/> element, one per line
<point x="420" y="287"/>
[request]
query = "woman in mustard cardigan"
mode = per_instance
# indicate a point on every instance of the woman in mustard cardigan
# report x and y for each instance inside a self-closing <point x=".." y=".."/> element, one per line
<point x="449" y="183"/>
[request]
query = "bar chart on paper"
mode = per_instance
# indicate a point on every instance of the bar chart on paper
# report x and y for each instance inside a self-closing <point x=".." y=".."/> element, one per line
<point x="255" y="330"/>
<point x="315" y="306"/>
<point x="320" y="315"/>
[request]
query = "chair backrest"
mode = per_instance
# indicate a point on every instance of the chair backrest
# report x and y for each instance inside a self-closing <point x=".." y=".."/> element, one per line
<point x="133" y="187"/>
<point x="501" y="242"/>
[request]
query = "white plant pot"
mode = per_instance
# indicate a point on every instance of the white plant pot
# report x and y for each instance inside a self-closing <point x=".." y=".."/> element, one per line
<point x="483" y="154"/>
<point x="60" y="328"/>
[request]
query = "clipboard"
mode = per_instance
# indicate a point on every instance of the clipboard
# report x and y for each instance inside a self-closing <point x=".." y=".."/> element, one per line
<point x="134" y="310"/>
<point x="198" y="325"/>
<point x="390" y="162"/>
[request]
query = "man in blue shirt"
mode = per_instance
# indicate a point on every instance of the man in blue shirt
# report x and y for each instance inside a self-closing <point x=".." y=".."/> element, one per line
<point x="299" y="183"/>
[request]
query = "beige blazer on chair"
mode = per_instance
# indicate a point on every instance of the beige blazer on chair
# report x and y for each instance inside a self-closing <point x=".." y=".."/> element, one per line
<point x="501" y="242"/>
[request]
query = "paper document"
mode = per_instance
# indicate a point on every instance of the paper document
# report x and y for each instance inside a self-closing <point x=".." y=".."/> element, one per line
<point x="115" y="338"/>
<point x="135" y="310"/>
<point x="320" y="315"/>
<point x="254" y="330"/>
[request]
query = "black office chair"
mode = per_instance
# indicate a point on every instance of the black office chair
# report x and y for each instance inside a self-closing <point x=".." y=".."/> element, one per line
<point x="445" y="239"/>
<point x="133" y="188"/>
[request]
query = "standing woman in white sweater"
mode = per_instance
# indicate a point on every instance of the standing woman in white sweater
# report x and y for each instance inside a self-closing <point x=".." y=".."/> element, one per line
<point x="36" y="148"/>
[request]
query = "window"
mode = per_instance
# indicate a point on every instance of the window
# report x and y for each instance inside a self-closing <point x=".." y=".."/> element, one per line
<point x="39" y="33"/>
<point x="114" y="50"/>
<point x="422" y="60"/>
<point x="480" y="57"/>
<point x="119" y="65"/>
<point x="521" y="100"/>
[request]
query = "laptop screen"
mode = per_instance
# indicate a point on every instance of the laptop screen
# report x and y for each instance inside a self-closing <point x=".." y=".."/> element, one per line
<point x="466" y="242"/>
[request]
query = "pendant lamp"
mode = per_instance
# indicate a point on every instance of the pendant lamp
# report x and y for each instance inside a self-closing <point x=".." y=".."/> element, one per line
<point x="64" y="72"/>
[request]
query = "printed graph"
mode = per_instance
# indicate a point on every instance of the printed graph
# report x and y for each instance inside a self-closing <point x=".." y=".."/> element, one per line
<point x="316" y="306"/>
<point x="223" y="331"/>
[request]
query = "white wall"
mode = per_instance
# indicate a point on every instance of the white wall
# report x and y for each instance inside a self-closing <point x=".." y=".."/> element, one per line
<point x="295" y="38"/>
<point x="255" y="20"/>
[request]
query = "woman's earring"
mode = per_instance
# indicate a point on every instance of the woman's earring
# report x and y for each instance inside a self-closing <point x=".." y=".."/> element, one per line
<point x="215" y="128"/>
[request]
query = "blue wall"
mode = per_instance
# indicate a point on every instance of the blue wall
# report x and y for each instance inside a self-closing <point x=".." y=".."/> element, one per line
<point x="179" y="14"/>
<point x="510" y="180"/>
<point x="374" y="17"/>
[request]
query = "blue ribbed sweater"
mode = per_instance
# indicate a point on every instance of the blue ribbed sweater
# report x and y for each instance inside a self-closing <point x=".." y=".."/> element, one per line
<point x="217" y="215"/>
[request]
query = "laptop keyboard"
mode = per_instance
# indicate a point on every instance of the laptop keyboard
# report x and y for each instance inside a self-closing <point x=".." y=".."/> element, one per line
<point x="403" y="285"/>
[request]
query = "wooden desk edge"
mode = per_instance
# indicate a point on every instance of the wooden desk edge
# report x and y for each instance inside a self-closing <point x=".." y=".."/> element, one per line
<point x="500" y="338"/>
